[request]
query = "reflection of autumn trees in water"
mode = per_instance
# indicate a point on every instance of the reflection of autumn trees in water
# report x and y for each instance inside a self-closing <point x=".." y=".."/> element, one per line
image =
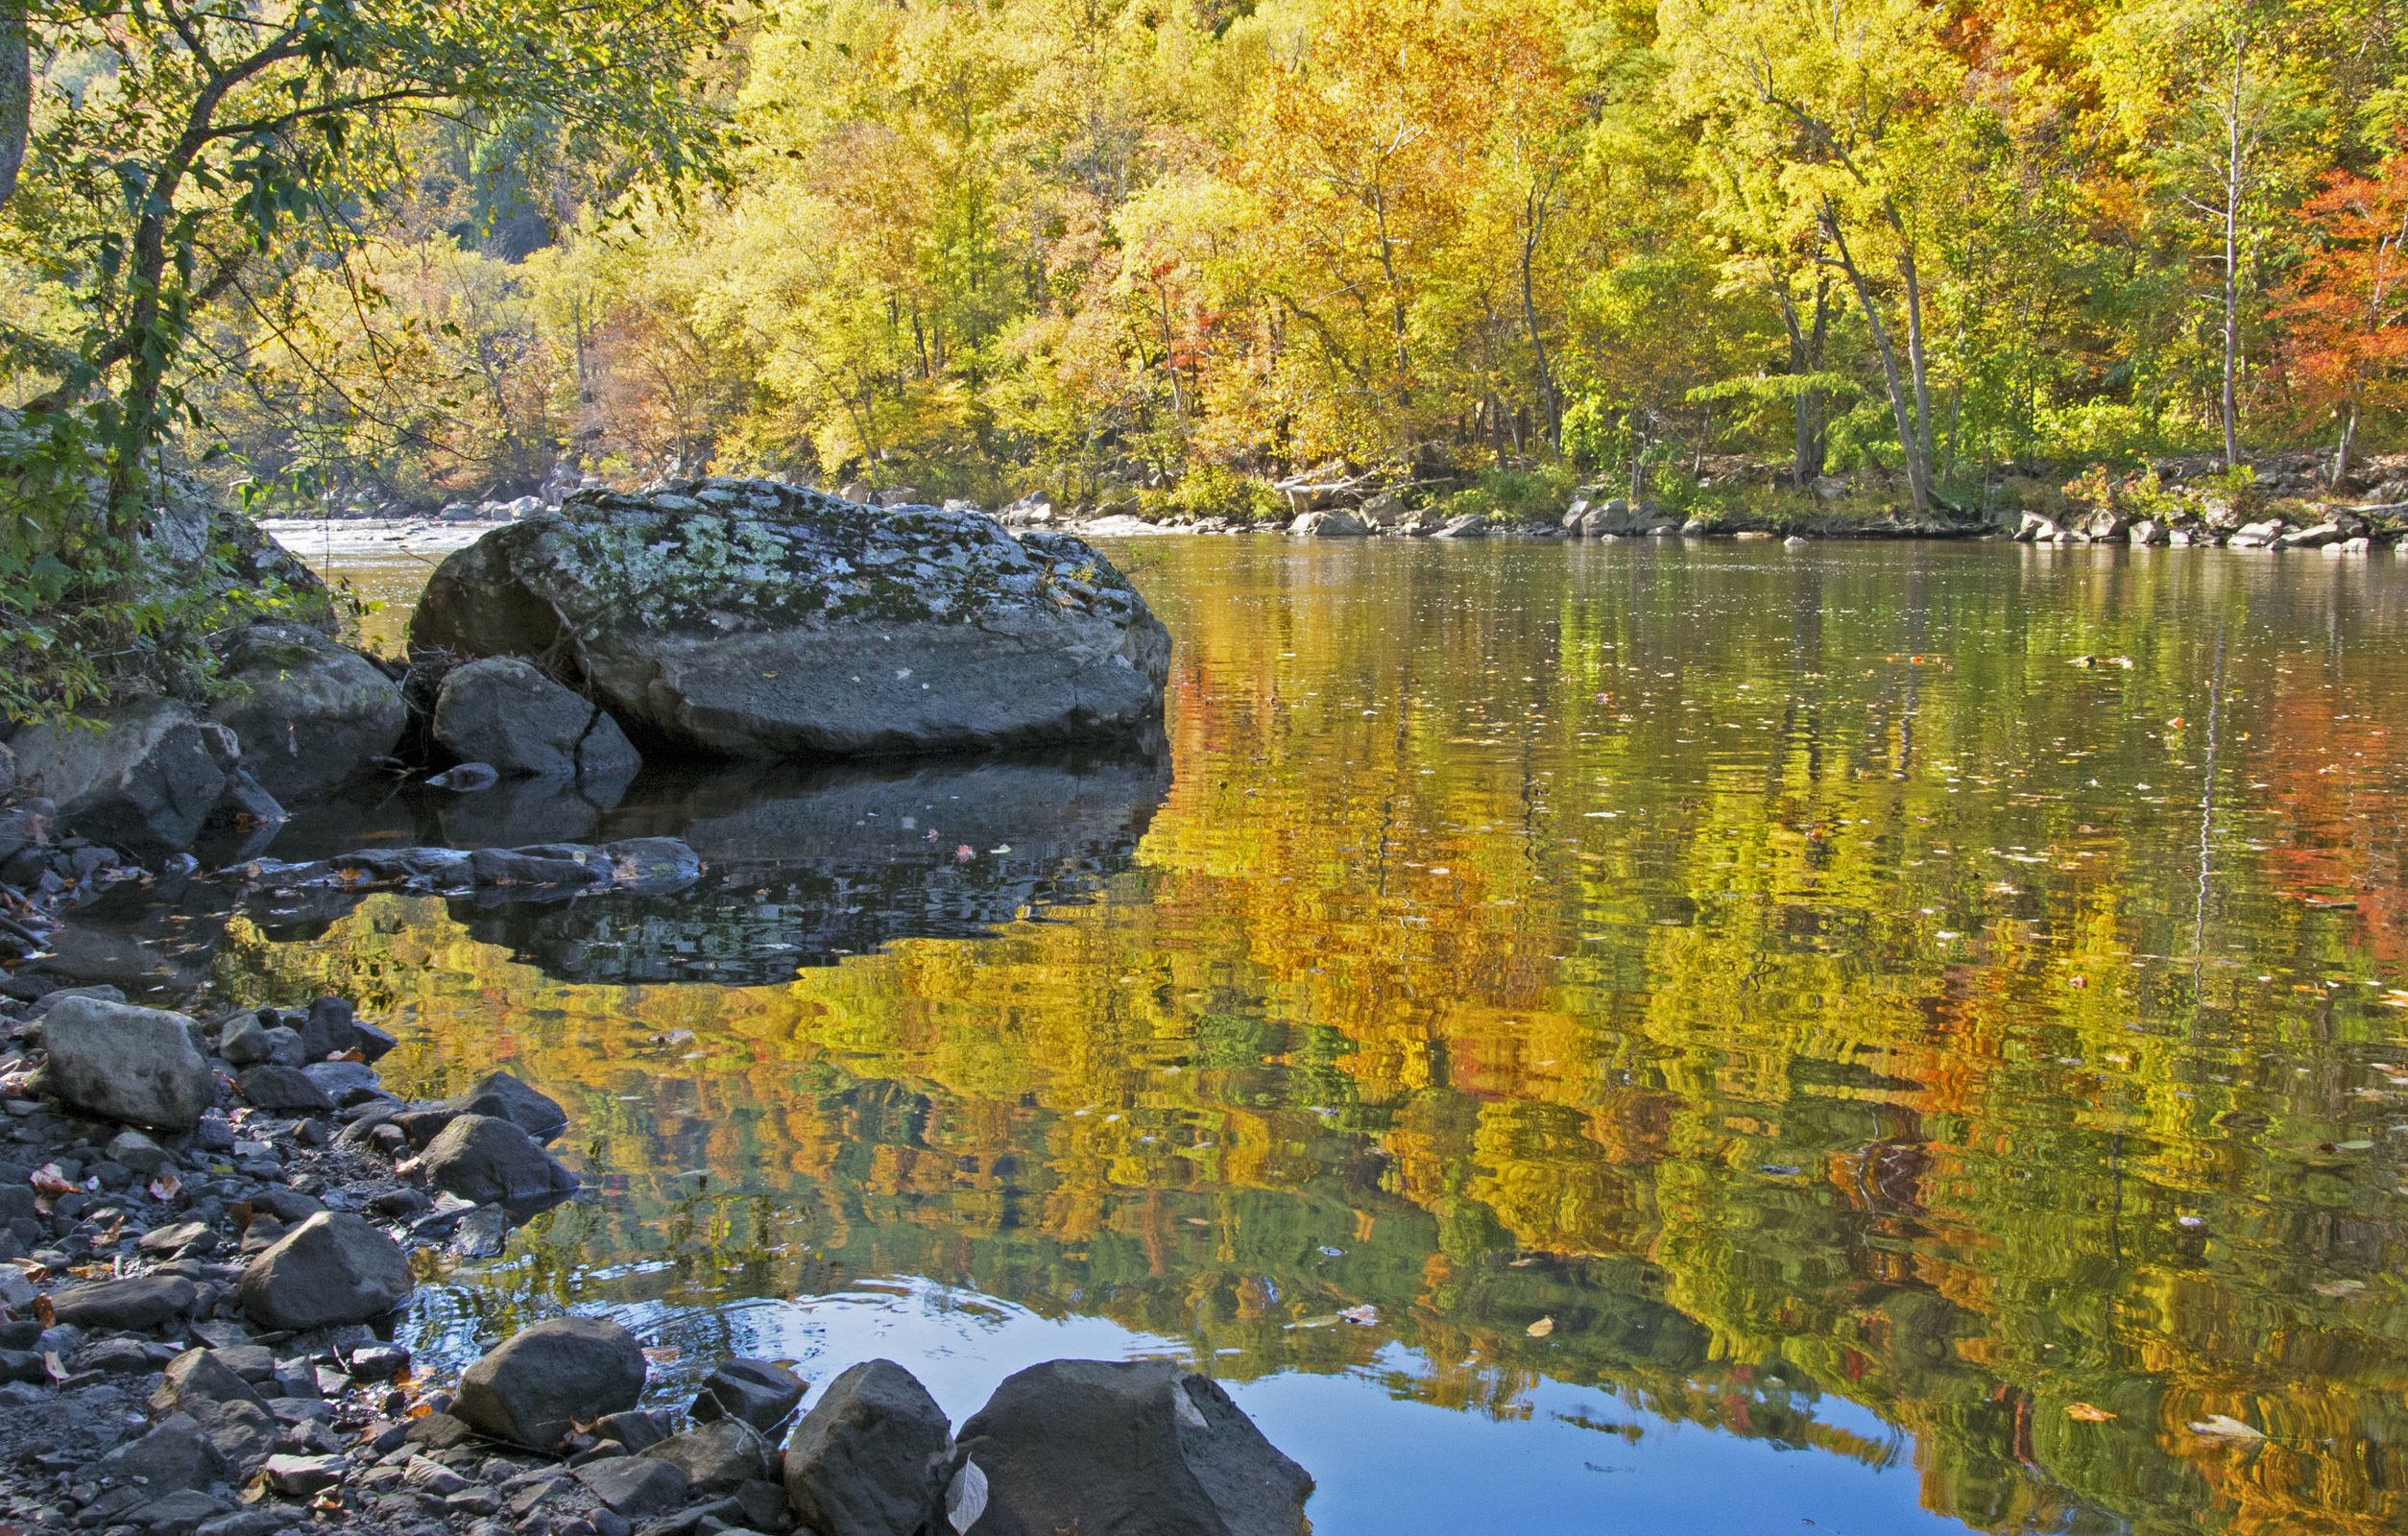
<point x="1780" y="974"/>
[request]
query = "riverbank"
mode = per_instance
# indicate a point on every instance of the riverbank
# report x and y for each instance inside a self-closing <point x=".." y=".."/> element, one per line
<point x="210" y="1229"/>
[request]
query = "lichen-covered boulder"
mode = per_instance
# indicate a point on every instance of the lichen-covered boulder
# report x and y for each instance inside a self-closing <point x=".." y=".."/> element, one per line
<point x="310" y="711"/>
<point x="754" y="619"/>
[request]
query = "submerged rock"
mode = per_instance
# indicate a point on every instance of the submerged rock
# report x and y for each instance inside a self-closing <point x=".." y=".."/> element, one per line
<point x="121" y="1063"/>
<point x="750" y="618"/>
<point x="1112" y="1446"/>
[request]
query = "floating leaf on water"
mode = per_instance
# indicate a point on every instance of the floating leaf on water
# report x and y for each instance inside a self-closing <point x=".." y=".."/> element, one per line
<point x="2360" y="1146"/>
<point x="1541" y="1329"/>
<point x="662" y="1353"/>
<point x="2219" y="1426"/>
<point x="966" y="1495"/>
<point x="2087" y="1413"/>
<point x="2339" y="1287"/>
<point x="1366" y="1315"/>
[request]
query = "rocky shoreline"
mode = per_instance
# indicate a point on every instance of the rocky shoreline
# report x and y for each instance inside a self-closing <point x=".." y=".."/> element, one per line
<point x="209" y="1230"/>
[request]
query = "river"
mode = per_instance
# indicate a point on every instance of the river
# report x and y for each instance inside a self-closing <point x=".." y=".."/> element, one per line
<point x="1643" y="1038"/>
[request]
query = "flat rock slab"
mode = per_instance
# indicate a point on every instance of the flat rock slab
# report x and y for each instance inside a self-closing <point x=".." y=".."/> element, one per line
<point x="648" y="866"/>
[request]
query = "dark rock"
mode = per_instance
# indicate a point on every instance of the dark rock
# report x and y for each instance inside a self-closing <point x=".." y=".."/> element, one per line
<point x="182" y="1513"/>
<point x="636" y="1487"/>
<point x="330" y="1028"/>
<point x="504" y="1097"/>
<point x="741" y="628"/>
<point x="198" y="1378"/>
<point x="150" y="781"/>
<point x="283" y="1088"/>
<point x="759" y="1392"/>
<point x="122" y="1063"/>
<point x="334" y="1268"/>
<point x="310" y="713"/>
<point x="491" y="1160"/>
<point x="175" y="1455"/>
<point x="502" y="710"/>
<point x="719" y="1457"/>
<point x="1102" y="1446"/>
<point x="633" y="1431"/>
<point x="870" y="1456"/>
<point x="531" y="1388"/>
<point x="249" y="1043"/>
<point x="439" y="1431"/>
<point x="346" y="1083"/>
<point x="141" y="1303"/>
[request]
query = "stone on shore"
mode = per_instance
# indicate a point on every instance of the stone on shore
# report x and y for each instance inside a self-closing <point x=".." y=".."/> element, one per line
<point x="334" y="1268"/>
<point x="492" y="1162"/>
<point x="536" y="1385"/>
<point x="142" y="1304"/>
<point x="759" y="1392"/>
<point x="116" y="1062"/>
<point x="148" y="780"/>
<point x="635" y="1487"/>
<point x="870" y="1458"/>
<point x="288" y="1089"/>
<point x="755" y="619"/>
<point x="503" y="711"/>
<point x="1333" y="524"/>
<point x="310" y="712"/>
<point x="720" y="1456"/>
<point x="1107" y="1446"/>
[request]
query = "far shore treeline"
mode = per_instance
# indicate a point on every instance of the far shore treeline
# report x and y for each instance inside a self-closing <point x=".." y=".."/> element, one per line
<point x="1152" y="255"/>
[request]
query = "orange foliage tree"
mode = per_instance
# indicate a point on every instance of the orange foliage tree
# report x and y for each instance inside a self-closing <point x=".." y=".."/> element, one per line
<point x="2342" y="310"/>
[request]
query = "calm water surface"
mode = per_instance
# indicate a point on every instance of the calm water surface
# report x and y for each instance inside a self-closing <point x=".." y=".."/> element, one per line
<point x="1623" y="1039"/>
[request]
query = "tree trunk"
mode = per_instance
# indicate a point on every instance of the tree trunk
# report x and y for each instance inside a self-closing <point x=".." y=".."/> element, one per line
<point x="2232" y="176"/>
<point x="2347" y="447"/>
<point x="1806" y="405"/>
<point x="1533" y="229"/>
<point x="1901" y="409"/>
<point x="16" y="94"/>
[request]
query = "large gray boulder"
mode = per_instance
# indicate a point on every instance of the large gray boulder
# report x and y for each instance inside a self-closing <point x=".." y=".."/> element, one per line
<point x="309" y="712"/>
<point x="1127" y="1446"/>
<point x="149" y="779"/>
<point x="116" y="1062"/>
<point x="870" y="1458"/>
<point x="504" y="711"/>
<point x="334" y="1268"/>
<point x="531" y="1389"/>
<point x="750" y="618"/>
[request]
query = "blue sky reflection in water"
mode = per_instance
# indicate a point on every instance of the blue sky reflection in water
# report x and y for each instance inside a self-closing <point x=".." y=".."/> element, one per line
<point x="1886" y="1036"/>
